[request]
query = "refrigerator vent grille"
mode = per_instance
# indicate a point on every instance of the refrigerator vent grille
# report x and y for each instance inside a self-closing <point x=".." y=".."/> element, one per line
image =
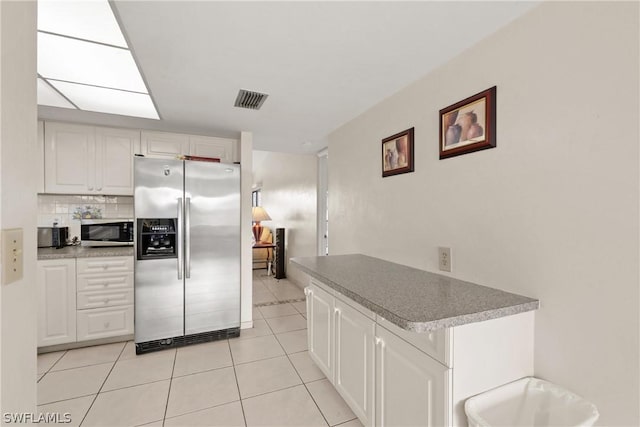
<point x="180" y="341"/>
<point x="249" y="99"/>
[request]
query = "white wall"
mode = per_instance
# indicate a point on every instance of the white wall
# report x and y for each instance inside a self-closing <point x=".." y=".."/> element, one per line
<point x="246" y="261"/>
<point x="289" y="186"/>
<point x="551" y="213"/>
<point x="18" y="202"/>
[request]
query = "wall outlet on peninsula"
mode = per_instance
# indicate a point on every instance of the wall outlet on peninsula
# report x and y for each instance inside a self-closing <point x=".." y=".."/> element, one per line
<point x="444" y="259"/>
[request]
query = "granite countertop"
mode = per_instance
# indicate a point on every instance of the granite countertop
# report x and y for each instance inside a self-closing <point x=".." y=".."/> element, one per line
<point x="83" y="252"/>
<point x="412" y="299"/>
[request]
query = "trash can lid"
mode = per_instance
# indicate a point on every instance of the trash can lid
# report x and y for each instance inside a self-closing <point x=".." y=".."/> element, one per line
<point x="530" y="402"/>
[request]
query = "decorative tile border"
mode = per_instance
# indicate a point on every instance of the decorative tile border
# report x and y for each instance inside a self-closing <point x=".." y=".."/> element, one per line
<point x="266" y="304"/>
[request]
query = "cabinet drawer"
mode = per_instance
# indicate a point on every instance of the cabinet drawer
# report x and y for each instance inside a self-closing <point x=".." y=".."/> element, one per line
<point x="104" y="264"/>
<point x="104" y="322"/>
<point x="109" y="298"/>
<point x="436" y="344"/>
<point x="95" y="282"/>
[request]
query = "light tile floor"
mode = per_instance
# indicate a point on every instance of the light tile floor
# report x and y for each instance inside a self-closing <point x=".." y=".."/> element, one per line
<point x="263" y="378"/>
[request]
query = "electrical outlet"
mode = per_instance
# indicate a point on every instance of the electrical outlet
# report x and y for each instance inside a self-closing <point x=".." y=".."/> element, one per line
<point x="444" y="259"/>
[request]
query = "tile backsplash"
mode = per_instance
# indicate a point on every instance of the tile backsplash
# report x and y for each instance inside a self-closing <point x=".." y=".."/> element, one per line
<point x="67" y="210"/>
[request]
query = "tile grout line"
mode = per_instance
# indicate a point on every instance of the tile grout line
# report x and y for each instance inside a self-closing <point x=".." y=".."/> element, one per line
<point x="52" y="365"/>
<point x="173" y="368"/>
<point x="303" y="383"/>
<point x="103" y="383"/>
<point x="235" y="375"/>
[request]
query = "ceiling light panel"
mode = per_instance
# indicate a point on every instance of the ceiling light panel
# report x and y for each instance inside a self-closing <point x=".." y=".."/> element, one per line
<point x="48" y="96"/>
<point x="110" y="101"/>
<point x="89" y="20"/>
<point x="62" y="58"/>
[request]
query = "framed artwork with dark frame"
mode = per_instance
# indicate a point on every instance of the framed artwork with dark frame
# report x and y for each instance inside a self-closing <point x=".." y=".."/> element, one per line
<point x="397" y="153"/>
<point x="468" y="125"/>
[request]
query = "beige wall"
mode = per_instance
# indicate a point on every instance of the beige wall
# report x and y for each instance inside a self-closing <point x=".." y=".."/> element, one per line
<point x="289" y="186"/>
<point x="551" y="213"/>
<point x="18" y="201"/>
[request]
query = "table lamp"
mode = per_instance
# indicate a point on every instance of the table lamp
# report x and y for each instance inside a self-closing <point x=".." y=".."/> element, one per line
<point x="259" y="214"/>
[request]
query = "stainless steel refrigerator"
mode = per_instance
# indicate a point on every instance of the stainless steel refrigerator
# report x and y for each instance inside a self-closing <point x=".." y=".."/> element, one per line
<point x="187" y="269"/>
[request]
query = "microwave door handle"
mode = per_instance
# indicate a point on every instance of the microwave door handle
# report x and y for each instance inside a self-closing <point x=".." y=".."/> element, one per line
<point x="187" y="238"/>
<point x="179" y="238"/>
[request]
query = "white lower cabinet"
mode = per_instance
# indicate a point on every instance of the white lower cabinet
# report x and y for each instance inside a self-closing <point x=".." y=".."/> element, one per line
<point x="392" y="377"/>
<point x="84" y="299"/>
<point x="56" y="281"/>
<point x="105" y="322"/>
<point x="105" y="297"/>
<point x="320" y="329"/>
<point x="411" y="388"/>
<point x="354" y="360"/>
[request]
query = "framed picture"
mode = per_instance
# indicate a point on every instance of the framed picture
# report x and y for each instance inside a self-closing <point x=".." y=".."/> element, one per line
<point x="469" y="125"/>
<point x="397" y="153"/>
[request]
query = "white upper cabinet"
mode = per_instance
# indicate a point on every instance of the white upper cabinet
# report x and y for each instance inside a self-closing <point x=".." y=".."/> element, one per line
<point x="164" y="144"/>
<point x="82" y="159"/>
<point x="40" y="157"/>
<point x="69" y="158"/>
<point x="115" y="149"/>
<point x="207" y="146"/>
<point x="170" y="145"/>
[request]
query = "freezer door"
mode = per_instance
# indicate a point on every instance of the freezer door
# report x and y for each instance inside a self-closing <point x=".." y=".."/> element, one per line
<point x="159" y="288"/>
<point x="212" y="246"/>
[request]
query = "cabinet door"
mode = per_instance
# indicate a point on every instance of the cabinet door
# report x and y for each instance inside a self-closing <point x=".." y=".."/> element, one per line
<point x="354" y="360"/>
<point x="206" y="146"/>
<point x="56" y="281"/>
<point x="320" y="329"/>
<point x="163" y="144"/>
<point x="40" y="157"/>
<point x="411" y="388"/>
<point x="69" y="158"/>
<point x="114" y="161"/>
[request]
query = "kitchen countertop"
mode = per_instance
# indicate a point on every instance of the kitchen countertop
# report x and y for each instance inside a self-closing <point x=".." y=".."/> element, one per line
<point x="83" y="252"/>
<point x="412" y="299"/>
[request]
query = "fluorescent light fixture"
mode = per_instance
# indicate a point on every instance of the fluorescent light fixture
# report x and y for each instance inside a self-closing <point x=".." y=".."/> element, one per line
<point x="84" y="56"/>
<point x="48" y="96"/>
<point x="62" y="58"/>
<point x="112" y="101"/>
<point x="88" y="20"/>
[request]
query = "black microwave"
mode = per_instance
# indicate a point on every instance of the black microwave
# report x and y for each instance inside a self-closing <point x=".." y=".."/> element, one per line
<point x="106" y="232"/>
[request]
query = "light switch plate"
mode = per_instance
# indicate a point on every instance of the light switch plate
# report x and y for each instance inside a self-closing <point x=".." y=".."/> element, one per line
<point x="11" y="255"/>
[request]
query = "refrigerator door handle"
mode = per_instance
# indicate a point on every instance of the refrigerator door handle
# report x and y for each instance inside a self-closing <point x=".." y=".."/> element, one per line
<point x="179" y="239"/>
<point x="187" y="238"/>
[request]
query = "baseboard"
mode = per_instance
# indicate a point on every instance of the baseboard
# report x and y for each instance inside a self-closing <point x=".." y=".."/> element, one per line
<point x="246" y="325"/>
<point x="80" y="344"/>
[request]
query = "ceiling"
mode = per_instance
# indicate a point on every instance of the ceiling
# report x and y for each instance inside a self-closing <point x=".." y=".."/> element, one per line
<point x="321" y="63"/>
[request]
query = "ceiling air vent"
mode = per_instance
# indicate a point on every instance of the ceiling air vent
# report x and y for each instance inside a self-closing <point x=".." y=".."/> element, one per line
<point x="250" y="100"/>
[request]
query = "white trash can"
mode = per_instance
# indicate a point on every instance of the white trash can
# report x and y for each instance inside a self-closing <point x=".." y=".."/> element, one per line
<point x="529" y="402"/>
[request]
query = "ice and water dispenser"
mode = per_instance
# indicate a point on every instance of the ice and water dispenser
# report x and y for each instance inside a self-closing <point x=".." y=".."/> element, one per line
<point x="157" y="238"/>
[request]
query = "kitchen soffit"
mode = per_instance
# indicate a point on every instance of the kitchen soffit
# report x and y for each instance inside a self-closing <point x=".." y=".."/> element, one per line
<point x="84" y="62"/>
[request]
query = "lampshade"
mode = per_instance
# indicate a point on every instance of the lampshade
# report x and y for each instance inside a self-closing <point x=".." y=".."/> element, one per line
<point x="259" y="214"/>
